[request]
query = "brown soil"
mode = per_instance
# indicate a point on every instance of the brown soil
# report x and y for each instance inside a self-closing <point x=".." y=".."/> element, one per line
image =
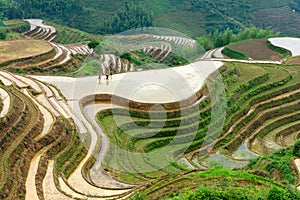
<point x="19" y="49"/>
<point x="257" y="49"/>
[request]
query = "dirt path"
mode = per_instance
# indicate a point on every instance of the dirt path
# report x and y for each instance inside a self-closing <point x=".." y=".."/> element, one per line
<point x="208" y="54"/>
<point x="4" y="96"/>
<point x="185" y="162"/>
<point x="46" y="89"/>
<point x="248" y="61"/>
<point x="218" y="53"/>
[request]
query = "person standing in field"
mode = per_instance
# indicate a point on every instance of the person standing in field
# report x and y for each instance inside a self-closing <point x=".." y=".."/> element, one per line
<point x="107" y="74"/>
<point x="111" y="73"/>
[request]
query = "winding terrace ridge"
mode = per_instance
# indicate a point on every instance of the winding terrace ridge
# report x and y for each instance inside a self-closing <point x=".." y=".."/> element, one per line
<point x="88" y="96"/>
<point x="85" y="91"/>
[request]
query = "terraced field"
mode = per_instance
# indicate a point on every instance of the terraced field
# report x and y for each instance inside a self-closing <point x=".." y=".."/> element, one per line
<point x="254" y="94"/>
<point x="257" y="50"/>
<point x="36" y="54"/>
<point x="148" y="134"/>
<point x="35" y="127"/>
<point x="208" y="184"/>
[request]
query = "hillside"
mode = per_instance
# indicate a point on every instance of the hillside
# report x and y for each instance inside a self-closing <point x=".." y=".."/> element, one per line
<point x="216" y="183"/>
<point x="193" y="17"/>
<point x="148" y="114"/>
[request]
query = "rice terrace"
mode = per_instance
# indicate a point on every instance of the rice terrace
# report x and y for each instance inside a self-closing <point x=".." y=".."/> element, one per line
<point x="146" y="112"/>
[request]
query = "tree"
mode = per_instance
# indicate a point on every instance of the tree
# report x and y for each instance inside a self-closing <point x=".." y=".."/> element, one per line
<point x="133" y="16"/>
<point x="276" y="194"/>
<point x="93" y="44"/>
<point x="296" y="150"/>
<point x="3" y="33"/>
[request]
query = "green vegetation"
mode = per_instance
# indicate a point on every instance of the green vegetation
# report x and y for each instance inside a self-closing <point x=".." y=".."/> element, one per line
<point x="260" y="110"/>
<point x="277" y="165"/>
<point x="223" y="9"/>
<point x="234" y="54"/>
<point x="218" y="183"/>
<point x="133" y="16"/>
<point x="3" y="33"/>
<point x="223" y="38"/>
<point x="146" y="61"/>
<point x="296" y="149"/>
<point x="66" y="35"/>
<point x="191" y="17"/>
<point x="239" y="193"/>
<point x="246" y="85"/>
<point x="93" y="44"/>
<point x="295" y="5"/>
<point x="11" y="30"/>
<point x="280" y="50"/>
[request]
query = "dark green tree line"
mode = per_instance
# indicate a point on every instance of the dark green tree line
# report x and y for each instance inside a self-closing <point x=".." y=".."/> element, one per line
<point x="133" y="16"/>
<point x="223" y="38"/>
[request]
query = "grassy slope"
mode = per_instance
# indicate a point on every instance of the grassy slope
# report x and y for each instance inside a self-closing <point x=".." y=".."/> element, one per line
<point x="278" y="165"/>
<point x="213" y="183"/>
<point x="263" y="4"/>
<point x="234" y="54"/>
<point x="242" y="82"/>
<point x="172" y="14"/>
<point x="11" y="50"/>
<point x="68" y="35"/>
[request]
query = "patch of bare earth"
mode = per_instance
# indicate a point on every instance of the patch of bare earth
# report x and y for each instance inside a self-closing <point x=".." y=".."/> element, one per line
<point x="257" y="49"/>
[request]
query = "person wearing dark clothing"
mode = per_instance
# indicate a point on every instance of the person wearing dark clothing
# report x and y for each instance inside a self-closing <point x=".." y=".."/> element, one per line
<point x="107" y="75"/>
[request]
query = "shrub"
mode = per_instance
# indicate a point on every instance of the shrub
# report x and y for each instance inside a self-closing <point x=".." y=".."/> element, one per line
<point x="234" y="54"/>
<point x="93" y="44"/>
<point x="276" y="194"/>
<point x="296" y="150"/>
<point x="3" y="33"/>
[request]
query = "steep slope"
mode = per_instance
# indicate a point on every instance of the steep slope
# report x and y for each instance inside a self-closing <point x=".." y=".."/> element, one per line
<point x="192" y="17"/>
